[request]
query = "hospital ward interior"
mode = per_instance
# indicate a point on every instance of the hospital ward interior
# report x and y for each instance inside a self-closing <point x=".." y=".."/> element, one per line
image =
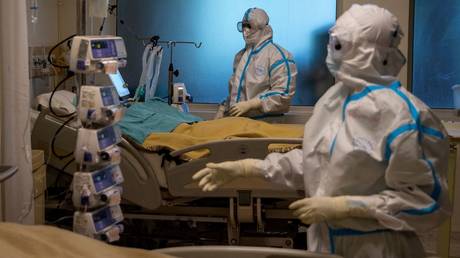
<point x="229" y="128"/>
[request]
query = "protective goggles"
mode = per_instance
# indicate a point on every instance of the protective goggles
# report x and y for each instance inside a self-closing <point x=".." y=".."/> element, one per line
<point x="241" y="25"/>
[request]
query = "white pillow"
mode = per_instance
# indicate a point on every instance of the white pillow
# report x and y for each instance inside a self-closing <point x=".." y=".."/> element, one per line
<point x="63" y="102"/>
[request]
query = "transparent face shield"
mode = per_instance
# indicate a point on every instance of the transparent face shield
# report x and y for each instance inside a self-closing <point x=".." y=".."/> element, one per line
<point x="339" y="44"/>
<point x="386" y="61"/>
<point x="338" y="47"/>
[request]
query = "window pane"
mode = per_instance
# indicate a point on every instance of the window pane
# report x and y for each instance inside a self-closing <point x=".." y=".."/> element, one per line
<point x="436" y="62"/>
<point x="300" y="26"/>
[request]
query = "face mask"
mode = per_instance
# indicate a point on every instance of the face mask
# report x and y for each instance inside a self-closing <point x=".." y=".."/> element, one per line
<point x="336" y="51"/>
<point x="251" y="36"/>
<point x="332" y="65"/>
<point x="396" y="60"/>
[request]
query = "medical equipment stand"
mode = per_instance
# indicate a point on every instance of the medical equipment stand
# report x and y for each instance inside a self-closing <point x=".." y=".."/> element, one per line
<point x="155" y="40"/>
<point x="97" y="184"/>
<point x="171" y="72"/>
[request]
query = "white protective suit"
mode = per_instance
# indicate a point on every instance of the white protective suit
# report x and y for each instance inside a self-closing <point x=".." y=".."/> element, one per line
<point x="263" y="69"/>
<point x="373" y="141"/>
<point x="374" y="157"/>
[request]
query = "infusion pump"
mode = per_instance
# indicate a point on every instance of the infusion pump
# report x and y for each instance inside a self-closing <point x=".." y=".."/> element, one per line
<point x="91" y="54"/>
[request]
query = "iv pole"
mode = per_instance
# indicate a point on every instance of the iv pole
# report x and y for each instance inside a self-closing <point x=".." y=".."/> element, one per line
<point x="171" y="72"/>
<point x="155" y="40"/>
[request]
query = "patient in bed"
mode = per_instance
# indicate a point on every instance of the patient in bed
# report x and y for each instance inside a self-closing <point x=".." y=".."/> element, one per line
<point x="155" y="126"/>
<point x="45" y="241"/>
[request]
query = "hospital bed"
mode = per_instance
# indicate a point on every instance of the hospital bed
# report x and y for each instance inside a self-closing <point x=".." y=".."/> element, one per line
<point x="161" y="184"/>
<point x="241" y="252"/>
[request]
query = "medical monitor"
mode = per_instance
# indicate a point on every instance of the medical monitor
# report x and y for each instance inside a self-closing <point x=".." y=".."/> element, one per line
<point x="120" y="85"/>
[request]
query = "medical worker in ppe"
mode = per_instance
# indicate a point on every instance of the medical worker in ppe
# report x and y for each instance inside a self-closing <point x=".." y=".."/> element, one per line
<point x="264" y="74"/>
<point x="374" y="157"/>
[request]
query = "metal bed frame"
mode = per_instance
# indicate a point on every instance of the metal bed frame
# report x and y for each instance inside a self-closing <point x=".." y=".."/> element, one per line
<point x="164" y="189"/>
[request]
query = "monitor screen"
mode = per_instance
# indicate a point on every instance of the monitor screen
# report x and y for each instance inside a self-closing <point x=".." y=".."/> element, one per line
<point x="103" y="49"/>
<point x="120" y="84"/>
<point x="106" y="137"/>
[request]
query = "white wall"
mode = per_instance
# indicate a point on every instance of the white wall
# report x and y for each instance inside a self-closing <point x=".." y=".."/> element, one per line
<point x="67" y="15"/>
<point x="400" y="8"/>
<point x="57" y="20"/>
<point x="45" y="31"/>
<point x="68" y="20"/>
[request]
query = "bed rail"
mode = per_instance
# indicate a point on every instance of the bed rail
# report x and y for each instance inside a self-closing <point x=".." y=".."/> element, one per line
<point x="180" y="181"/>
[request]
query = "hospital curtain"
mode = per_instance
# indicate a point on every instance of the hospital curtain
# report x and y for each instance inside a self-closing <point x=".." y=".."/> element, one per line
<point x="15" y="146"/>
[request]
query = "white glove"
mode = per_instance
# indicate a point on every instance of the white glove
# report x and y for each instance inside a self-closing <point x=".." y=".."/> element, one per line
<point x="243" y="107"/>
<point x="319" y="209"/>
<point x="217" y="174"/>
<point x="220" y="112"/>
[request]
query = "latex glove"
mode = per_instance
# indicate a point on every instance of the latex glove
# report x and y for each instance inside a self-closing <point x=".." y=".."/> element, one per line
<point x="320" y="209"/>
<point x="243" y="107"/>
<point x="217" y="174"/>
<point x="220" y="112"/>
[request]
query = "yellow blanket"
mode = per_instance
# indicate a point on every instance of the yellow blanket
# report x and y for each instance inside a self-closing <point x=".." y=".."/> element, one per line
<point x="45" y="242"/>
<point x="186" y="135"/>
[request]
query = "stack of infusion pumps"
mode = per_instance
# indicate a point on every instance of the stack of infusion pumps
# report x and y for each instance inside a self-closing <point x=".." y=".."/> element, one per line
<point x="97" y="183"/>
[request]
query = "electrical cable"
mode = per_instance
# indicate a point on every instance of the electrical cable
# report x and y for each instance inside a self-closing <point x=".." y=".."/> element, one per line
<point x="102" y="26"/>
<point x="62" y="170"/>
<point x="53" y="150"/>
<point x="58" y="220"/>
<point x="69" y="75"/>
<point x="67" y="164"/>
<point x="53" y="48"/>
<point x="111" y="9"/>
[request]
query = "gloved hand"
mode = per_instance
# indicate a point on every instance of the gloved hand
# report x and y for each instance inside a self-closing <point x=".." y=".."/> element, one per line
<point x="243" y="107"/>
<point x="319" y="209"/>
<point x="217" y="174"/>
<point x="220" y="112"/>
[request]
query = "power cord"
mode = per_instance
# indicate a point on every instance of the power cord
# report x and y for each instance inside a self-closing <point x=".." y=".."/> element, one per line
<point x="62" y="170"/>
<point x="56" y="46"/>
<point x="69" y="75"/>
<point x="53" y="223"/>
<point x="53" y="150"/>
